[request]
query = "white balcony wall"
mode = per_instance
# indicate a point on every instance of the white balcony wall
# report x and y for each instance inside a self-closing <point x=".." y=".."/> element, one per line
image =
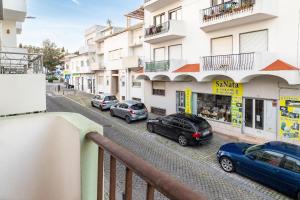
<point x="22" y="93"/>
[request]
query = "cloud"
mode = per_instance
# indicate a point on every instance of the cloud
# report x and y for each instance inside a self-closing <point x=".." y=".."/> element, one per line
<point x="76" y="2"/>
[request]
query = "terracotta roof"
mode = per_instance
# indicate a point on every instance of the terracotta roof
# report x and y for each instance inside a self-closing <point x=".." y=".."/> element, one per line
<point x="189" y="68"/>
<point x="279" y="65"/>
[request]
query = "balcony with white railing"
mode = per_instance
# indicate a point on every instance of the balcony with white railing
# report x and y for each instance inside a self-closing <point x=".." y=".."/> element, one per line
<point x="170" y="30"/>
<point x="237" y="12"/>
<point x="97" y="66"/>
<point x="153" y="5"/>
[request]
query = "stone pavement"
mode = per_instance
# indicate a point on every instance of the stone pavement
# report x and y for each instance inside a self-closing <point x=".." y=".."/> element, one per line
<point x="197" y="167"/>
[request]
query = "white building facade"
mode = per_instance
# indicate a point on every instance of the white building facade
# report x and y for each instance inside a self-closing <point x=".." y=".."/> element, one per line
<point x="234" y="63"/>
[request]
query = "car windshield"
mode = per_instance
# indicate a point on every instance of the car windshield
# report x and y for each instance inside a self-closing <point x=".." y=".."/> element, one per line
<point x="110" y="98"/>
<point x="253" y="149"/>
<point x="138" y="106"/>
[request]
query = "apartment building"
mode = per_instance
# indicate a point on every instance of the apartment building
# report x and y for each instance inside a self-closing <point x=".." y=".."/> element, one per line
<point x="119" y="57"/>
<point x="79" y="72"/>
<point x="234" y="63"/>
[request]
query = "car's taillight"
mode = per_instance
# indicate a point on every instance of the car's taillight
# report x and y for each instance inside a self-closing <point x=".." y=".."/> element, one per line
<point x="196" y="135"/>
<point x="131" y="111"/>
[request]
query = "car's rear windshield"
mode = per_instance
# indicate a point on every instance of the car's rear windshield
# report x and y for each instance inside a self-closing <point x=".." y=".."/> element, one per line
<point x="138" y="106"/>
<point x="110" y="98"/>
<point x="202" y="124"/>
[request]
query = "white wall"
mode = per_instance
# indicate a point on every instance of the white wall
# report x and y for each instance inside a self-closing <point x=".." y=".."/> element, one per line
<point x="22" y="93"/>
<point x="40" y="159"/>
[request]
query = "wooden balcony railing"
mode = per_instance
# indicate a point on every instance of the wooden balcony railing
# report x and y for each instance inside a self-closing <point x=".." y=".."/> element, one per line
<point x="227" y="8"/>
<point x="231" y="62"/>
<point x="155" y="179"/>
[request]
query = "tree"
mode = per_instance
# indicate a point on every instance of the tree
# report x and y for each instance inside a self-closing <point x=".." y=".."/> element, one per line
<point x="52" y="55"/>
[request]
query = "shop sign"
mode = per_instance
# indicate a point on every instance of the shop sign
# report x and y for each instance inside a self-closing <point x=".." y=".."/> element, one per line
<point x="289" y="117"/>
<point x="188" y="100"/>
<point x="76" y="75"/>
<point x="227" y="87"/>
<point x="237" y="111"/>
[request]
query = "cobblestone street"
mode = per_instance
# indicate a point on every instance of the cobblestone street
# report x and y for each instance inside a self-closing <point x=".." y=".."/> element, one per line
<point x="197" y="167"/>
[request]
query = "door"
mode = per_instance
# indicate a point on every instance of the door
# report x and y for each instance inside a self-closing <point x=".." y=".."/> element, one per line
<point x="165" y="126"/>
<point x="260" y="118"/>
<point x="159" y="54"/>
<point x="254" y="41"/>
<point x="175" y="52"/>
<point x="221" y="46"/>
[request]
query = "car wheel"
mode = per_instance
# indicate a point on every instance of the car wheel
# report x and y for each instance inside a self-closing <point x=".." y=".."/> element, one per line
<point x="182" y="140"/>
<point x="150" y="128"/>
<point x="128" y="120"/>
<point x="92" y="104"/>
<point x="227" y="164"/>
<point x="112" y="113"/>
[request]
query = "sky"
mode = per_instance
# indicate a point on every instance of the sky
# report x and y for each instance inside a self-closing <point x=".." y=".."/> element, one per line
<point x="64" y="21"/>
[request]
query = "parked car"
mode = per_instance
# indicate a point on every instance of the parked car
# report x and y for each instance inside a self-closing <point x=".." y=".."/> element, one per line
<point x="104" y="101"/>
<point x="184" y="128"/>
<point x="130" y="111"/>
<point x="275" y="164"/>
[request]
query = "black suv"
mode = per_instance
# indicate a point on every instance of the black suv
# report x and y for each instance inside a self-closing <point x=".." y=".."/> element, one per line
<point x="184" y="128"/>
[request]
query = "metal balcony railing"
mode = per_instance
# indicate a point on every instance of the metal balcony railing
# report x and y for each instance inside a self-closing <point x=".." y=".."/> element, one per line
<point x="227" y="8"/>
<point x="20" y="63"/>
<point x="157" y="29"/>
<point x="231" y="62"/>
<point x="158" y="66"/>
<point x="155" y="179"/>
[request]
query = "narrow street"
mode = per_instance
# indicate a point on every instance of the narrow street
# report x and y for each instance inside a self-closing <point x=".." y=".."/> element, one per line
<point x="194" y="166"/>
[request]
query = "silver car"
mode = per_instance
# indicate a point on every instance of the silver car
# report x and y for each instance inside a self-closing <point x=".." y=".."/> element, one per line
<point x="130" y="111"/>
<point x="104" y="101"/>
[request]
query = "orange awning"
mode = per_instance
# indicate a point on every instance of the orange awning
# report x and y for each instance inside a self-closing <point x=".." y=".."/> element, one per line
<point x="188" y="68"/>
<point x="279" y="65"/>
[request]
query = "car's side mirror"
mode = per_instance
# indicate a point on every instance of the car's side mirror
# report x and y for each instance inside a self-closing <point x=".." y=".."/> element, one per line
<point x="251" y="156"/>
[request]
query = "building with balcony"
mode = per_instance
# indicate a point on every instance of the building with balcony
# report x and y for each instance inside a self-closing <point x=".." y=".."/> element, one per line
<point x="235" y="63"/>
<point x="21" y="74"/>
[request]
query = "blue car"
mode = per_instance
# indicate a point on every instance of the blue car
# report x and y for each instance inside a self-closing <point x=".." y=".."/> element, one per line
<point x="275" y="164"/>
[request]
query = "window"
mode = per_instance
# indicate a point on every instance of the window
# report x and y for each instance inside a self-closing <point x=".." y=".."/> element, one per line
<point x="115" y="54"/>
<point x="137" y="84"/>
<point x="159" y="19"/>
<point x="216" y="107"/>
<point x="110" y="98"/>
<point x="124" y="106"/>
<point x="136" y="99"/>
<point x="123" y="98"/>
<point x="159" y="54"/>
<point x="292" y="164"/>
<point x="138" y="106"/>
<point x="180" y="101"/>
<point x="254" y="42"/>
<point x="158" y="88"/>
<point x="221" y="46"/>
<point x="175" y="52"/>
<point x="158" y="111"/>
<point x="175" y="14"/>
<point x="123" y="83"/>
<point x="270" y="157"/>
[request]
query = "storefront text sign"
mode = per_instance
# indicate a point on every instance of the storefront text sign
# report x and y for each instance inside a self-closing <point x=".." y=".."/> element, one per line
<point x="235" y="90"/>
<point x="227" y="87"/>
<point x="290" y="117"/>
<point x="188" y="100"/>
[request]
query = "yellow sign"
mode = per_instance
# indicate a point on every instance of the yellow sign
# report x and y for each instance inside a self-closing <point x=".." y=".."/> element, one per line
<point x="188" y="100"/>
<point x="227" y="87"/>
<point x="290" y="117"/>
<point x="237" y="111"/>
